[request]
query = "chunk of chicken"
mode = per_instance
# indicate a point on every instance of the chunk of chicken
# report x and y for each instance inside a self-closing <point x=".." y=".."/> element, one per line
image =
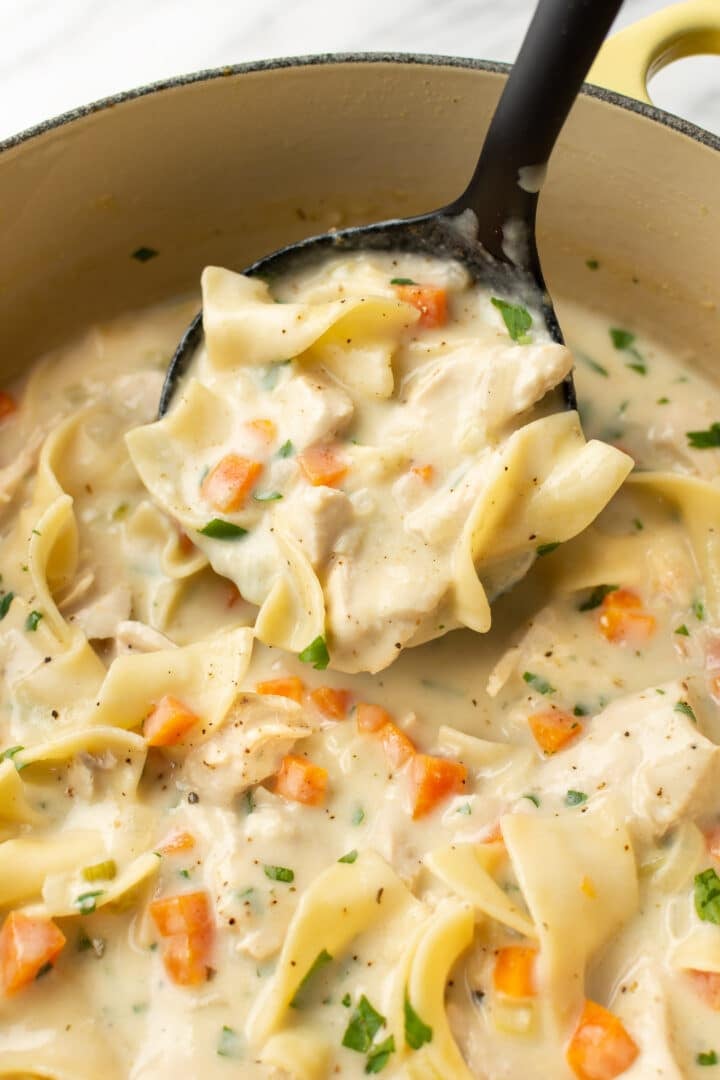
<point x="316" y="516"/>
<point x="313" y="409"/>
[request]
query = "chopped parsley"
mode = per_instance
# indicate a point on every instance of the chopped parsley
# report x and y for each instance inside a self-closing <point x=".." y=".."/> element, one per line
<point x="31" y="623"/>
<point x="144" y="254"/>
<point x="349" y="856"/>
<point x="685" y="709"/>
<point x="596" y="597"/>
<point x="267" y="496"/>
<point x="346" y="1001"/>
<point x="546" y="549"/>
<point x="9" y="754"/>
<point x="535" y="799"/>
<point x="322" y="958"/>
<point x="698" y="609"/>
<point x="580" y="710"/>
<point x="364" y="1025"/>
<point x="466" y="809"/>
<point x="279" y="873"/>
<point x="228" y="1044"/>
<point x="624" y="341"/>
<point x="5" y="603"/>
<point x="249" y="801"/>
<point x="707" y="1057"/>
<point x="575" y="798"/>
<point x="707" y="896"/>
<point x="286" y="450"/>
<point x="704" y="440"/>
<point x="663" y="401"/>
<point x="538" y="683"/>
<point x="316" y="653"/>
<point x="416" y="1032"/>
<point x="86" y="902"/>
<point x="402" y="281"/>
<point x="592" y="264"/>
<point x="44" y="970"/>
<point x="592" y="364"/>
<point x="682" y="629"/>
<point x="517" y="320"/>
<point x="219" y="529"/>
<point x="638" y="524"/>
<point x="358" y="816"/>
<point x="379" y="1055"/>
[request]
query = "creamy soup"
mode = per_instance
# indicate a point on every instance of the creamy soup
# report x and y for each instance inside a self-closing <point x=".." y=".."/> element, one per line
<point x="226" y="848"/>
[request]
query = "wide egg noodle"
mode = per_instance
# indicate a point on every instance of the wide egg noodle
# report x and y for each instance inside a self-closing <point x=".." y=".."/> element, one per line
<point x="578" y="877"/>
<point x="14" y="806"/>
<point x="301" y="1053"/>
<point x="60" y="891"/>
<point x="26" y="862"/>
<point x="148" y="532"/>
<point x="127" y="750"/>
<point x="466" y="869"/>
<point x="293" y="614"/>
<point x="546" y="486"/>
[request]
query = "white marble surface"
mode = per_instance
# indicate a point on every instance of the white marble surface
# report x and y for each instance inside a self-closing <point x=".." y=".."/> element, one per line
<point x="69" y="52"/>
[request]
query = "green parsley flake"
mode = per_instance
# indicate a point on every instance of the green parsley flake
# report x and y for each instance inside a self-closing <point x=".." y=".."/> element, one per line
<point x="31" y="623"/>
<point x="219" y="529"/>
<point x="592" y="264"/>
<point x="349" y="856"/>
<point x="11" y="751"/>
<point x="704" y="440"/>
<point x="416" y="1032"/>
<point x="144" y="254"/>
<point x="592" y="364"/>
<point x="249" y="801"/>
<point x="638" y="524"/>
<point x="621" y="339"/>
<point x="279" y="873"/>
<point x="379" y="1055"/>
<point x="364" y="1025"/>
<point x="466" y="809"/>
<point x="358" y="816"/>
<point x="229" y="1043"/>
<point x="685" y="709"/>
<point x="86" y="902"/>
<point x="316" y="653"/>
<point x="538" y="683"/>
<point x="546" y="549"/>
<point x="346" y="1001"/>
<point x="663" y="401"/>
<point x="682" y="629"/>
<point x="267" y="496"/>
<point x="596" y="597"/>
<point x="580" y="710"/>
<point x="575" y="798"/>
<point x="707" y="896"/>
<point x="402" y="281"/>
<point x="322" y="958"/>
<point x="286" y="450"/>
<point x="517" y="320"/>
<point x="5" y="603"/>
<point x="535" y="799"/>
<point x="638" y="366"/>
<point x="698" y="610"/>
<point x="707" y="1057"/>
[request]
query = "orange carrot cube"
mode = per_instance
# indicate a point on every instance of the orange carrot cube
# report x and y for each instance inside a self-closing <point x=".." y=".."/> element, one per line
<point x="289" y="686"/>
<point x="228" y="484"/>
<point x="183" y="913"/>
<point x="298" y="779"/>
<point x="706" y="985"/>
<point x="168" y="723"/>
<point x="8" y="404"/>
<point x="554" y="729"/>
<point x="331" y="702"/>
<point x="514" y="972"/>
<point x="600" y="1047"/>
<point x="187" y="959"/>
<point x="177" y="842"/>
<point x="265" y="429"/>
<point x="371" y="717"/>
<point x="426" y="473"/>
<point x="396" y="744"/>
<point x="621" y="617"/>
<point x="433" y="779"/>
<point x="430" y="300"/>
<point x="27" y="944"/>
<point x="322" y="465"/>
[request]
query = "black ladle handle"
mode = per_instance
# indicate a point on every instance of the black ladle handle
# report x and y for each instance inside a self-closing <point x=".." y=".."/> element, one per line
<point x="560" y="45"/>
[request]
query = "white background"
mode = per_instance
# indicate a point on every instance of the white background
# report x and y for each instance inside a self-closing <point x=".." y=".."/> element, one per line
<point x="56" y="54"/>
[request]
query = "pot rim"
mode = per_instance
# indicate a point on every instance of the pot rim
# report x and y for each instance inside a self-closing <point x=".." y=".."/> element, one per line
<point x="650" y="112"/>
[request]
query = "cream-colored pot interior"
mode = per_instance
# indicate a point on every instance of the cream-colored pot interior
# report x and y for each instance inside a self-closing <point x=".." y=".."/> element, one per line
<point x="224" y="168"/>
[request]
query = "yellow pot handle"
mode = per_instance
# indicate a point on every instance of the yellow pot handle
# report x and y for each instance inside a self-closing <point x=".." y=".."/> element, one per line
<point x="629" y="59"/>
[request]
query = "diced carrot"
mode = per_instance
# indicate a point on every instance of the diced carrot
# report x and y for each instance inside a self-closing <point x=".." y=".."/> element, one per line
<point x="331" y="702"/>
<point x="514" y="972"/>
<point x="289" y="686"/>
<point x="183" y="913"/>
<point x="228" y="484"/>
<point x="177" y="842"/>
<point x="706" y="985"/>
<point x="27" y="944"/>
<point x="169" y="721"/>
<point x="425" y="473"/>
<point x="371" y="717"/>
<point x="600" y="1047"/>
<point x="712" y="839"/>
<point x="187" y="958"/>
<point x="433" y="780"/>
<point x="264" y="428"/>
<point x="8" y="404"/>
<point x="322" y="465"/>
<point x="298" y="779"/>
<point x="430" y="300"/>
<point x="554" y="729"/>
<point x="396" y="744"/>
<point x="621" y="617"/>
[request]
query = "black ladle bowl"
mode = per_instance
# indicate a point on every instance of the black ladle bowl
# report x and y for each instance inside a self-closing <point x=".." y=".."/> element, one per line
<point x="490" y="228"/>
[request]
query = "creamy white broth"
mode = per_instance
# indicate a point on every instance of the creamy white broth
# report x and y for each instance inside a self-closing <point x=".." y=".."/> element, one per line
<point x="108" y="1007"/>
